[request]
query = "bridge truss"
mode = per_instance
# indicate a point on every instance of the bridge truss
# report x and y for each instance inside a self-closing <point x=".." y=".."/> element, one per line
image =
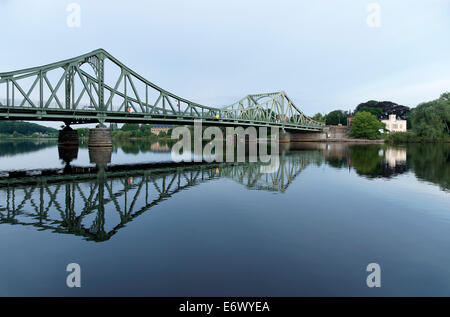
<point x="96" y="87"/>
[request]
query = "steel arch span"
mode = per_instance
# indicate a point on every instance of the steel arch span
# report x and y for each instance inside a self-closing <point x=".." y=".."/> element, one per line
<point x="97" y="87"/>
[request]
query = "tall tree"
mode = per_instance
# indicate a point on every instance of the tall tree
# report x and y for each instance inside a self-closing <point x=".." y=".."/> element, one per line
<point x="376" y="111"/>
<point x="431" y="120"/>
<point x="366" y="125"/>
<point x="336" y="117"/>
<point x="319" y="117"/>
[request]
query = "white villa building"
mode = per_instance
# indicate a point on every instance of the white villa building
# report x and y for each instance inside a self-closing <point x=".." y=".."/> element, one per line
<point x="394" y="125"/>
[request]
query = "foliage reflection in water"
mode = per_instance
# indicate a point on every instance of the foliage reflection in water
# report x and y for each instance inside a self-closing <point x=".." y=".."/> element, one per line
<point x="96" y="203"/>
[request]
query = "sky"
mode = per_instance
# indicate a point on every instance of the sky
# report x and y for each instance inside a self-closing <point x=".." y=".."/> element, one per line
<point x="325" y="54"/>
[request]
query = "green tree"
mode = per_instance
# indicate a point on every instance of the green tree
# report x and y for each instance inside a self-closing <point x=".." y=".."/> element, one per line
<point x="270" y="114"/>
<point x="319" y="117"/>
<point x="145" y="129"/>
<point x="366" y="125"/>
<point x="130" y="127"/>
<point x="295" y="118"/>
<point x="24" y="128"/>
<point x="372" y="102"/>
<point x="431" y="120"/>
<point x="336" y="117"/>
<point x="375" y="111"/>
<point x="83" y="132"/>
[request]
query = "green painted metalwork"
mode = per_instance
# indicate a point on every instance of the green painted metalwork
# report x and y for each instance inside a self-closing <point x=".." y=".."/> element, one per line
<point x="96" y="87"/>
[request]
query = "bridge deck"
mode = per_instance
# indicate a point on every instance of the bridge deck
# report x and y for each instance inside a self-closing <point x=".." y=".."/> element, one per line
<point x="79" y="116"/>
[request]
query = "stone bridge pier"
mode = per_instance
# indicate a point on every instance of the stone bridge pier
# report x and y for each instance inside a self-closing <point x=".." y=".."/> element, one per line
<point x="68" y="137"/>
<point x="100" y="136"/>
<point x="297" y="136"/>
<point x="100" y="146"/>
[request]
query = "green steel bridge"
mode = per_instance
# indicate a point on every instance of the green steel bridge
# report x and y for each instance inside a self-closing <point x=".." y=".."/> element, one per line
<point x="95" y="202"/>
<point x="96" y="87"/>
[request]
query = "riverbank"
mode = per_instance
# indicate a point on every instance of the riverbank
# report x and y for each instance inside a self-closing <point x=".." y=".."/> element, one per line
<point x="411" y="137"/>
<point x="420" y="142"/>
<point x="347" y="140"/>
<point x="142" y="139"/>
<point x="28" y="138"/>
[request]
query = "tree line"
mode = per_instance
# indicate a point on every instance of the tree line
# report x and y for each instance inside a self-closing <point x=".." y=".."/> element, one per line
<point x="131" y="130"/>
<point x="25" y="129"/>
<point x="428" y="122"/>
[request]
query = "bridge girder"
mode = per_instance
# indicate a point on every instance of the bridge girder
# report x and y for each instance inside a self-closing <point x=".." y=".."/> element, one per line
<point x="275" y="106"/>
<point x="97" y="87"/>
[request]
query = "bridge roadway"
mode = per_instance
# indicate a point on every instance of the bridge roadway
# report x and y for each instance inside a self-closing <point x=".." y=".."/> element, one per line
<point x="97" y="87"/>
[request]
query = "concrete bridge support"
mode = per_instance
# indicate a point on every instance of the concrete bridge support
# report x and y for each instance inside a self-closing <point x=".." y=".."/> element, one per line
<point x="100" y="146"/>
<point x="285" y="137"/>
<point x="68" y="137"/>
<point x="67" y="146"/>
<point x="100" y="137"/>
<point x="288" y="137"/>
<point x="307" y="136"/>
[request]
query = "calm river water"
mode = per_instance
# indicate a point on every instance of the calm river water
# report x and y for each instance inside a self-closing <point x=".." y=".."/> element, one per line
<point x="306" y="225"/>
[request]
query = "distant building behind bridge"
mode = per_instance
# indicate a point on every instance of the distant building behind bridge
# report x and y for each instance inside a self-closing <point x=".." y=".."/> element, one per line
<point x="158" y="128"/>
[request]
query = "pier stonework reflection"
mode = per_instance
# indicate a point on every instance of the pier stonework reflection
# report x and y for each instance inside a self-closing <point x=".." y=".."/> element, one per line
<point x="100" y="156"/>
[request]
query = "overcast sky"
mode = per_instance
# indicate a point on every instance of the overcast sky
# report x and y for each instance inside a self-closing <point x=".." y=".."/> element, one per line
<point x="323" y="53"/>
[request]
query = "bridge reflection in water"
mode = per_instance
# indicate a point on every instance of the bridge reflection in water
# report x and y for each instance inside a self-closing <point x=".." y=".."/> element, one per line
<point x="95" y="202"/>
